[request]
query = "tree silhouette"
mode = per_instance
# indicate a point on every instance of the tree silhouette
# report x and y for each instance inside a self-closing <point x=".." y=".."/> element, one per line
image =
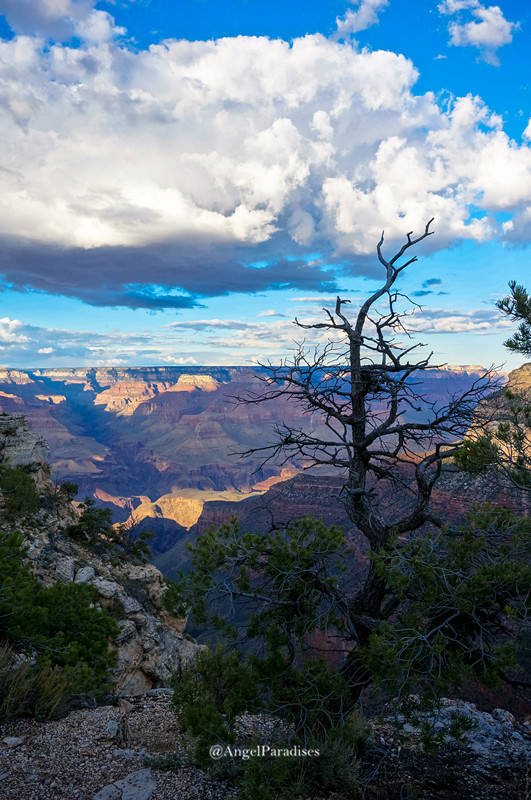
<point x="366" y="385"/>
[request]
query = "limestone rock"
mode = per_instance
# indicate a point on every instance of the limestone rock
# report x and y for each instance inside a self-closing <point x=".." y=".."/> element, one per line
<point x="138" y="785"/>
<point x="112" y="728"/>
<point x="110" y="792"/>
<point x="21" y="446"/>
<point x="13" y="741"/>
<point x="128" y="630"/>
<point x="131" y="606"/>
<point x="106" y="589"/>
<point x="491" y="737"/>
<point x="64" y="570"/>
<point x="84" y="575"/>
<point x="142" y="572"/>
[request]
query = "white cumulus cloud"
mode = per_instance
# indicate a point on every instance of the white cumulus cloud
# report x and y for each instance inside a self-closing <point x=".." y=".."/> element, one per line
<point x="365" y="15"/>
<point x="60" y="19"/>
<point x="488" y="30"/>
<point x="187" y="164"/>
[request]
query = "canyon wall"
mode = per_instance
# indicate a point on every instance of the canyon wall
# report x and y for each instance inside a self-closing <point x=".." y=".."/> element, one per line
<point x="159" y="445"/>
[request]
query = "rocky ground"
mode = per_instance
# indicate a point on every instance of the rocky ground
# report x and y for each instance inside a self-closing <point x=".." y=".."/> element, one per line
<point x="78" y="756"/>
<point x="100" y="754"/>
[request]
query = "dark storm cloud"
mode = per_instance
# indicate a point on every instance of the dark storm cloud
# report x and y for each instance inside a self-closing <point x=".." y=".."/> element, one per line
<point x="157" y="276"/>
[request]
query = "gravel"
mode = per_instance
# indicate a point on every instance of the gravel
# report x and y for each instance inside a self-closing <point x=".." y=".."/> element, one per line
<point x="77" y="756"/>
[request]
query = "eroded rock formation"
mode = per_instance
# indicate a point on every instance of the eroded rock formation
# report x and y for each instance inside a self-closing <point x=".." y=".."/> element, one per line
<point x="151" y="643"/>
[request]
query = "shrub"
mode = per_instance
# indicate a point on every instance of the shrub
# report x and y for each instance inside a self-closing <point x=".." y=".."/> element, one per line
<point x="68" y="630"/>
<point x="19" y="490"/>
<point x="217" y="687"/>
<point x="209" y="694"/>
<point x="95" y="529"/>
<point x="167" y="762"/>
<point x="59" y="626"/>
<point x="133" y="543"/>
<point x="69" y="490"/>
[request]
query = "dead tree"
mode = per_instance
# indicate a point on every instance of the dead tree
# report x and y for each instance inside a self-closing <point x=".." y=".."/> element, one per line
<point x="365" y="384"/>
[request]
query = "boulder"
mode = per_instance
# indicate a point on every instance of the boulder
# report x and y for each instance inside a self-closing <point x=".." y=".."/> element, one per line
<point x="127" y="632"/>
<point x="138" y="785"/>
<point x="491" y="737"/>
<point x="85" y="575"/>
<point x="131" y="606"/>
<point x="106" y="589"/>
<point x="21" y="446"/>
<point x="64" y="570"/>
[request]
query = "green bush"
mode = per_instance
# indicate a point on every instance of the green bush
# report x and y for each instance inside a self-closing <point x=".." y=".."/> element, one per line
<point x="69" y="490"/>
<point x="476" y="455"/>
<point x="470" y="586"/>
<point x="133" y="543"/>
<point x="94" y="528"/>
<point x="19" y="490"/>
<point x="336" y="768"/>
<point x="209" y="694"/>
<point x="166" y="762"/>
<point x="212" y="691"/>
<point x="65" y="634"/>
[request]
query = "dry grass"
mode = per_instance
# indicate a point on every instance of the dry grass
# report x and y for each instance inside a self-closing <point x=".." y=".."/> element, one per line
<point x="43" y="692"/>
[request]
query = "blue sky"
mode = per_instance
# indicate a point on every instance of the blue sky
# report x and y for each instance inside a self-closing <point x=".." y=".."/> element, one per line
<point x="180" y="179"/>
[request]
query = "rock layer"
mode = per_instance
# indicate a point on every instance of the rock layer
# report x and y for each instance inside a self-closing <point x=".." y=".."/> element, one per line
<point x="157" y="430"/>
<point x="151" y="644"/>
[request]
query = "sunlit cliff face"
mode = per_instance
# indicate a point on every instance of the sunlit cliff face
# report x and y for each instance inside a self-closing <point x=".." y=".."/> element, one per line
<point x="158" y="430"/>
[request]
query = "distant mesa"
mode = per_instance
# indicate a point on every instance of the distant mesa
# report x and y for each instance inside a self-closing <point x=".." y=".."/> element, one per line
<point x="187" y="383"/>
<point x="11" y="398"/>
<point x="14" y="376"/>
<point x="55" y="399"/>
<point x="159" y="445"/>
<point x="185" y="511"/>
<point x="124" y="397"/>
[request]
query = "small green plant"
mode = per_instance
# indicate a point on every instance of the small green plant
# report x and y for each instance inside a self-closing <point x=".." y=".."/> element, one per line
<point x="116" y="609"/>
<point x="68" y="490"/>
<point x="167" y="762"/>
<point x="431" y="738"/>
<point x="19" y="490"/>
<point x="95" y="529"/>
<point x="172" y="599"/>
<point x="134" y="543"/>
<point x="209" y="694"/>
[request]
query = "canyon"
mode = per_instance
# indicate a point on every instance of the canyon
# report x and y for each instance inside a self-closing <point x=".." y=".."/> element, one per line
<point x="159" y="445"/>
